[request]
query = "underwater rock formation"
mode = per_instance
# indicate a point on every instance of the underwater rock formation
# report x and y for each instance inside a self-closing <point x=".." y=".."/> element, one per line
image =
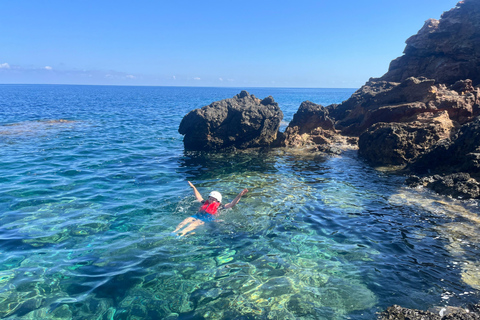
<point x="243" y="121"/>
<point x="441" y="313"/>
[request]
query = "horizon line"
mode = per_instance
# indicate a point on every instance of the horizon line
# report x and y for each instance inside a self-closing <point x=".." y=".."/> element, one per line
<point x="167" y="86"/>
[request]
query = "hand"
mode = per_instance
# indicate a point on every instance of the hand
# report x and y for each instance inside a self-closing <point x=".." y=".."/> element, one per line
<point x="243" y="192"/>
<point x="191" y="184"/>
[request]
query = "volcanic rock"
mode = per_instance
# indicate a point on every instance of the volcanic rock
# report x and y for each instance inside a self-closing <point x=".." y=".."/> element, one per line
<point x="446" y="50"/>
<point x="458" y="185"/>
<point x="402" y="143"/>
<point x="380" y="101"/>
<point x="243" y="121"/>
<point x="310" y="117"/>
<point x="396" y="312"/>
<point x="459" y="154"/>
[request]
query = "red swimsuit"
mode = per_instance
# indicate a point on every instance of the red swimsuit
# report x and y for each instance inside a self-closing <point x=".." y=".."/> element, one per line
<point x="210" y="208"/>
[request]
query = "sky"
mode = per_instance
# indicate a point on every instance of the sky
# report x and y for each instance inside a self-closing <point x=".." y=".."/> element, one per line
<point x="262" y="43"/>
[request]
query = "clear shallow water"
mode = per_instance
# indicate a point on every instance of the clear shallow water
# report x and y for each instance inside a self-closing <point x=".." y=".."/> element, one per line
<point x="93" y="182"/>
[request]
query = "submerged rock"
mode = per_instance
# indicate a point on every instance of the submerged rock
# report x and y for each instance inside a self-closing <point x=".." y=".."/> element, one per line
<point x="243" y="121"/>
<point x="312" y="127"/>
<point x="396" y="312"/>
<point x="458" y="185"/>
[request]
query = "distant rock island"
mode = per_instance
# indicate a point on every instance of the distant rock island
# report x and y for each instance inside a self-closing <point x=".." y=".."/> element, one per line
<point x="422" y="115"/>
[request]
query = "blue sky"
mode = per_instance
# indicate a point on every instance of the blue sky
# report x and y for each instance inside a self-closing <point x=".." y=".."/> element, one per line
<point x="302" y="43"/>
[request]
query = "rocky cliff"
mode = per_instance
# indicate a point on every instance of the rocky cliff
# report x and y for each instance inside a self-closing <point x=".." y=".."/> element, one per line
<point x="423" y="114"/>
<point x="445" y="50"/>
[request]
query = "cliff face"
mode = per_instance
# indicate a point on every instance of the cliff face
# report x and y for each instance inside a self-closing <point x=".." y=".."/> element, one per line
<point x="425" y="102"/>
<point x="446" y="50"/>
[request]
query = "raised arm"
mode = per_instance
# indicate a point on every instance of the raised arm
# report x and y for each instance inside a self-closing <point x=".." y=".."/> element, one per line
<point x="195" y="191"/>
<point x="235" y="201"/>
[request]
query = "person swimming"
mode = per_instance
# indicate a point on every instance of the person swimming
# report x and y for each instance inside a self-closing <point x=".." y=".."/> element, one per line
<point x="207" y="211"/>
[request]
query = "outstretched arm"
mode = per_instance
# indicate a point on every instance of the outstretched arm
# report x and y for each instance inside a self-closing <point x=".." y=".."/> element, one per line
<point x="235" y="201"/>
<point x="195" y="191"/>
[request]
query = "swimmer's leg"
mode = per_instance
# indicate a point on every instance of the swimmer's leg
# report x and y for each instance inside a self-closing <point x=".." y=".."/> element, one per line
<point x="183" y="223"/>
<point x="192" y="226"/>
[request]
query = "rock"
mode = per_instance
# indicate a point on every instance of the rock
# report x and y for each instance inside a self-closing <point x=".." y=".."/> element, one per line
<point x="243" y="121"/>
<point x="380" y="101"/>
<point x="310" y="116"/>
<point x="402" y="143"/>
<point x="396" y="312"/>
<point x="310" y="125"/>
<point x="458" y="185"/>
<point x="459" y="154"/>
<point x="446" y="50"/>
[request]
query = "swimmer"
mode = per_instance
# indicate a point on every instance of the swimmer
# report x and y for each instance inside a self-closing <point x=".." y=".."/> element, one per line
<point x="207" y="211"/>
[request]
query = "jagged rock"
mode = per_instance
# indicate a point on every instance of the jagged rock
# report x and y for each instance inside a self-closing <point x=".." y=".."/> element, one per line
<point x="243" y="121"/>
<point x="458" y="185"/>
<point x="396" y="312"/>
<point x="402" y="143"/>
<point x="310" y="125"/>
<point x="380" y="101"/>
<point x="310" y="116"/>
<point x="459" y="154"/>
<point x="446" y="50"/>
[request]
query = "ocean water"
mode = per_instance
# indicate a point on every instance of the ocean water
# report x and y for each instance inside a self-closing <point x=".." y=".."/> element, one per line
<point x="93" y="180"/>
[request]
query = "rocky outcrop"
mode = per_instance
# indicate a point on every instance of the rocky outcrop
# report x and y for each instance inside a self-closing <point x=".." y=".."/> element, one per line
<point x="309" y="117"/>
<point x="452" y="167"/>
<point x="445" y="50"/>
<point x="380" y="101"/>
<point x="312" y="127"/>
<point x="423" y="112"/>
<point x="420" y="114"/>
<point x="243" y="121"/>
<point x="396" y="312"/>
<point x="401" y="143"/>
<point x="459" y="154"/>
<point x="458" y="185"/>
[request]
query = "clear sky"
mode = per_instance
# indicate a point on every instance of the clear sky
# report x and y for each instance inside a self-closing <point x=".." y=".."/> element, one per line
<point x="262" y="43"/>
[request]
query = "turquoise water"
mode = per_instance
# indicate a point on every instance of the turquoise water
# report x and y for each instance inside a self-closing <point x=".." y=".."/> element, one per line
<point x="93" y="180"/>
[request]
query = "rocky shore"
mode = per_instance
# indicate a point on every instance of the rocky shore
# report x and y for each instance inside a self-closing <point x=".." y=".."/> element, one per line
<point x="422" y="116"/>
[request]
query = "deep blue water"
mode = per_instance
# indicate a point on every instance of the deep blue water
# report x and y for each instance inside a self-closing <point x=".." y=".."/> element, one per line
<point x="93" y="180"/>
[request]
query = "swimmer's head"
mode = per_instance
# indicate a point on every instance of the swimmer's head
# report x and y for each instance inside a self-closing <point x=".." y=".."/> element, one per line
<point x="216" y="195"/>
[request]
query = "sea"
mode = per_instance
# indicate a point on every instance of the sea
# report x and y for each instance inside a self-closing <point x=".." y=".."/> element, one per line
<point x="94" y="179"/>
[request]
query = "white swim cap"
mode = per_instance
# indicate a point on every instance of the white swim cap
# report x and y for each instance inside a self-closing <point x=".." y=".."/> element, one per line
<point x="216" y="195"/>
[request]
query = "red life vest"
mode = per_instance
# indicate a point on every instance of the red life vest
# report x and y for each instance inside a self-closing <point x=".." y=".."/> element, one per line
<point x="210" y="207"/>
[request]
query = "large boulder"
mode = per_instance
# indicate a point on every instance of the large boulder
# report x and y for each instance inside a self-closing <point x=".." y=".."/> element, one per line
<point x="310" y="116"/>
<point x="243" y="121"/>
<point x="445" y="50"/>
<point x="402" y="143"/>
<point x="310" y="125"/>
